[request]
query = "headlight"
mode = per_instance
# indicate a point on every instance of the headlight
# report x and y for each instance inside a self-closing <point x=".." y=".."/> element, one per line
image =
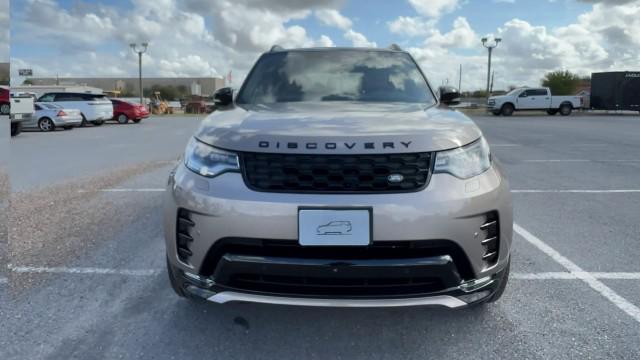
<point x="209" y="161"/>
<point x="464" y="162"/>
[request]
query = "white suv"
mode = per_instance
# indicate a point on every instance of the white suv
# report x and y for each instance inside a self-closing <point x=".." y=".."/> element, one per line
<point x="95" y="108"/>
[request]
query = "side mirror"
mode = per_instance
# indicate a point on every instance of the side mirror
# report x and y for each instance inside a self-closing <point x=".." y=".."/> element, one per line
<point x="449" y="95"/>
<point x="223" y="96"/>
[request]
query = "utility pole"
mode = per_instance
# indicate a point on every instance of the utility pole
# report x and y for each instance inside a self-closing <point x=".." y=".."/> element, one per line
<point x="460" y="80"/>
<point x="493" y="76"/>
<point x="490" y="47"/>
<point x="140" y="51"/>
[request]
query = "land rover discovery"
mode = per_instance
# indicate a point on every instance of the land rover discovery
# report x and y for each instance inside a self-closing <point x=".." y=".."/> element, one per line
<point x="338" y="177"/>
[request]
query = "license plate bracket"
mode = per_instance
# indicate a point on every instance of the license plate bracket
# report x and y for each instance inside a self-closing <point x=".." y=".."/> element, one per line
<point x="334" y="226"/>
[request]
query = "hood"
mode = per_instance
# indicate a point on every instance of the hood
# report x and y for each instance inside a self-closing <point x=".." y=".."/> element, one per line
<point x="337" y="128"/>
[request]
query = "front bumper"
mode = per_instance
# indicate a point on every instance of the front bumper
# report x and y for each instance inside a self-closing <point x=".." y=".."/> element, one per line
<point x="67" y="121"/>
<point x="435" y="237"/>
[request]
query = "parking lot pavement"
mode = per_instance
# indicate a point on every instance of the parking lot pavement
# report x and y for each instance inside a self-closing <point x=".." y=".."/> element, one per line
<point x="53" y="158"/>
<point x="87" y="277"/>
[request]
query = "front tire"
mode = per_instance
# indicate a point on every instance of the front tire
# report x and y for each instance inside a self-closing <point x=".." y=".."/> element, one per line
<point x="97" y="122"/>
<point x="122" y="119"/>
<point x="507" y="110"/>
<point x="566" y="109"/>
<point x="5" y="109"/>
<point x="46" y="125"/>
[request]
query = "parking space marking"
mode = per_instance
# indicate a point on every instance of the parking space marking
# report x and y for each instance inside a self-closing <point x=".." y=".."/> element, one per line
<point x="576" y="191"/>
<point x="580" y="160"/>
<point x="82" y="270"/>
<point x="597" y="285"/>
<point x="3" y="280"/>
<point x="576" y="276"/>
<point x="117" y="190"/>
<point x="560" y="275"/>
<point x="517" y="191"/>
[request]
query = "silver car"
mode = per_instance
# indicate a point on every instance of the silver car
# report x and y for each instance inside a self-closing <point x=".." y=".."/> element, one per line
<point x="338" y="177"/>
<point x="48" y="117"/>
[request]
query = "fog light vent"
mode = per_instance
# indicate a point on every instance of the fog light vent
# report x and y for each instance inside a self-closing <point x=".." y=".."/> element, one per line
<point x="491" y="239"/>
<point x="183" y="235"/>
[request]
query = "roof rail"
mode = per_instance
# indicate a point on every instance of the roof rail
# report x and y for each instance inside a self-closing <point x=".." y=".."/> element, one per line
<point x="276" y="48"/>
<point x="395" y="47"/>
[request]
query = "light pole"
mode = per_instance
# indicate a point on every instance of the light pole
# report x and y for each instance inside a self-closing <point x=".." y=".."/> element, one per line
<point x="490" y="47"/>
<point x="140" y="51"/>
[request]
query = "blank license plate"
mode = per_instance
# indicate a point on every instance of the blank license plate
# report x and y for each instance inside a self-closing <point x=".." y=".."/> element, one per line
<point x="334" y="227"/>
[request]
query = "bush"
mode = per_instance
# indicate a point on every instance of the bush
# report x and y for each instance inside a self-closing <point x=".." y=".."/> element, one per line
<point x="561" y="82"/>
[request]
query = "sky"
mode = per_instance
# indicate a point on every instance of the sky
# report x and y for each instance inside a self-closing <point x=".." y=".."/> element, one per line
<point x="87" y="38"/>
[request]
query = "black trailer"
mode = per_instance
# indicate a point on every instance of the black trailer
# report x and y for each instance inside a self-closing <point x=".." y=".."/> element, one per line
<point x="618" y="90"/>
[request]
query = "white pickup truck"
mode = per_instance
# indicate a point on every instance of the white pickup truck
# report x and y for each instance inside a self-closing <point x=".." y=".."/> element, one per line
<point x="533" y="99"/>
<point x="22" y="109"/>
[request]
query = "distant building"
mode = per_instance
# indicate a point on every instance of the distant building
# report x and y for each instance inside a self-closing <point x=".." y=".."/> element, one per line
<point x="201" y="85"/>
<point x="40" y="90"/>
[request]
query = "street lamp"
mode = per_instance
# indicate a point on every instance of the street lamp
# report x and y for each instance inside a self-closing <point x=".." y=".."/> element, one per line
<point x="490" y="47"/>
<point x="140" y="51"/>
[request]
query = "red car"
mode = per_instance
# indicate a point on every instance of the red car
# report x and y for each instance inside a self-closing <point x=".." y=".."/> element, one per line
<point x="123" y="111"/>
<point x="5" y="103"/>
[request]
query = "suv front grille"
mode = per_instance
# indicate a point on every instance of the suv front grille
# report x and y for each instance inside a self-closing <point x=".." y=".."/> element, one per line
<point x="336" y="173"/>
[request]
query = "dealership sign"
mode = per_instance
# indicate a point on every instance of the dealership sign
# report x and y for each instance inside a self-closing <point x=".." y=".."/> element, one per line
<point x="633" y="75"/>
<point x="25" y="72"/>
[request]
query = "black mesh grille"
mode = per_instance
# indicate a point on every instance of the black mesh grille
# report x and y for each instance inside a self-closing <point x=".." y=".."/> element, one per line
<point x="336" y="173"/>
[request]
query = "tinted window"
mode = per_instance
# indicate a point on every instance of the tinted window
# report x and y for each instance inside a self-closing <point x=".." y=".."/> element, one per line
<point x="46" y="98"/>
<point x="539" y="92"/>
<point x="336" y="75"/>
<point x="93" y="97"/>
<point x="69" y="97"/>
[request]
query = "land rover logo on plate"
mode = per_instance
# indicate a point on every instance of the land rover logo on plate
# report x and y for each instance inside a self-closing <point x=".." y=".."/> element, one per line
<point x="395" y="178"/>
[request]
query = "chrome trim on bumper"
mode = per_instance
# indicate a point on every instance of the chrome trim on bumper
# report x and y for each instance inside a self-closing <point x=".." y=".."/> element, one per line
<point x="232" y="296"/>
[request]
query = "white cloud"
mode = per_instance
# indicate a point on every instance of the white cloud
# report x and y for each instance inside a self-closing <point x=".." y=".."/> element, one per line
<point x="181" y="42"/>
<point x="434" y="8"/>
<point x="332" y="17"/>
<point x="461" y="36"/>
<point x="358" y="40"/>
<point x="411" y="26"/>
<point x="602" y="39"/>
<point x="209" y="37"/>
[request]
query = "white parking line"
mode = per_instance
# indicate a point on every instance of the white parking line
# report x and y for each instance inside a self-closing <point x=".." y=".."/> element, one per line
<point x="560" y="275"/>
<point x="576" y="191"/>
<point x="3" y="280"/>
<point x="82" y="270"/>
<point x="580" y="160"/>
<point x="517" y="191"/>
<point x="117" y="190"/>
<point x="577" y="275"/>
<point x="597" y="285"/>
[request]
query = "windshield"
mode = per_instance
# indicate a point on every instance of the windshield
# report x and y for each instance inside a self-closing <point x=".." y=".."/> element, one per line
<point x="335" y="75"/>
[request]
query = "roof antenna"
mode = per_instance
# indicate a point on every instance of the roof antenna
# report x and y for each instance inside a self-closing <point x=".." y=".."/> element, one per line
<point x="395" y="47"/>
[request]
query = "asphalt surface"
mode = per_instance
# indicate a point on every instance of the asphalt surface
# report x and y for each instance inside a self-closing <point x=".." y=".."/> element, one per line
<point x="59" y="222"/>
